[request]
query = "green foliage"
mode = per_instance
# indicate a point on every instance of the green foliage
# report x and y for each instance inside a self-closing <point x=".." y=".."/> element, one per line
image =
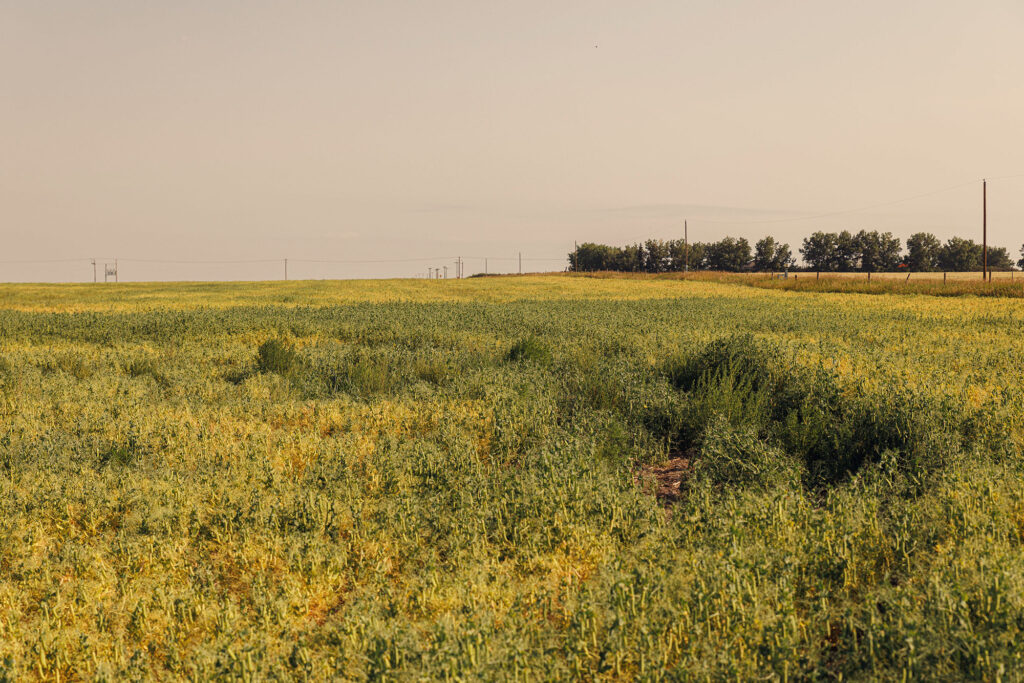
<point x="400" y="499"/>
<point x="529" y="349"/>
<point x="867" y="251"/>
<point x="771" y="256"/>
<point x="277" y="356"/>
<point x="959" y="254"/>
<point x="923" y="252"/>
<point x="737" y="456"/>
<point x="728" y="254"/>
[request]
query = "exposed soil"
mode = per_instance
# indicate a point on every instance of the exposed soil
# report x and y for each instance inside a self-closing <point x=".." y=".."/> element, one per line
<point x="665" y="480"/>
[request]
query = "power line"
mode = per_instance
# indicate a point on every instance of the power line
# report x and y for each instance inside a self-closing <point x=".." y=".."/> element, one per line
<point x="198" y="261"/>
<point x="391" y="260"/>
<point x="845" y="212"/>
<point x="111" y="267"/>
<point x="53" y="260"/>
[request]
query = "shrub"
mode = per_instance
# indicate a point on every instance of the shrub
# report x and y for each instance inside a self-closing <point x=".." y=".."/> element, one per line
<point x="807" y="412"/>
<point x="529" y="349"/>
<point x="278" y="357"/>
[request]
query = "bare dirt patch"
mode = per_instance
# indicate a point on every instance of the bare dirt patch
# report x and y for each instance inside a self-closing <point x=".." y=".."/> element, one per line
<point x="665" y="480"/>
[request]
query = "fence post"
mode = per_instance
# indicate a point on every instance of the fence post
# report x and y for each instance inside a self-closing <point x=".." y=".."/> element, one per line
<point x="943" y="277"/>
<point x="869" y="276"/>
<point x="817" y="275"/>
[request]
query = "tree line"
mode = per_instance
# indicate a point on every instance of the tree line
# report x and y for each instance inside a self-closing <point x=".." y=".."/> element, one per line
<point x="866" y="251"/>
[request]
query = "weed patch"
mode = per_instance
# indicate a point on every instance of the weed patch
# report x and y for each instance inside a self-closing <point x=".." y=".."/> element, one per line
<point x="278" y="357"/>
<point x="529" y="349"/>
<point x="746" y="396"/>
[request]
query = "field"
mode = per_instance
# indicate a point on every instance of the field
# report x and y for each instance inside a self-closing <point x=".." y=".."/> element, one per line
<point x="1002" y="284"/>
<point x="418" y="480"/>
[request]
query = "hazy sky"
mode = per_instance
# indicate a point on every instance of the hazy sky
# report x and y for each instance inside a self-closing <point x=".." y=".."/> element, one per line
<point x="371" y="130"/>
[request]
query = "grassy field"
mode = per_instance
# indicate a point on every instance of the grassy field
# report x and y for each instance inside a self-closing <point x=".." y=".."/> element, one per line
<point x="419" y="480"/>
<point x="1007" y="284"/>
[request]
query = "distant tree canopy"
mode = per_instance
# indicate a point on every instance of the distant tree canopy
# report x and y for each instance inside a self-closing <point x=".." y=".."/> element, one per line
<point x="658" y="256"/>
<point x="770" y="256"/>
<point x="865" y="251"/>
<point x="923" y="252"/>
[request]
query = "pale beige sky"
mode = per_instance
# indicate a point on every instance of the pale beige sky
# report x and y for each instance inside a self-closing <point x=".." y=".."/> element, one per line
<point x="366" y="130"/>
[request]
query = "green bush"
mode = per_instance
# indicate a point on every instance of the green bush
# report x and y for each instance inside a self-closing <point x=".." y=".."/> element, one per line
<point x="807" y="412"/>
<point x="278" y="357"/>
<point x="529" y="349"/>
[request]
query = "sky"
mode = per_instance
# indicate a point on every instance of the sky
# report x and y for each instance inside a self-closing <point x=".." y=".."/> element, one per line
<point x="401" y="135"/>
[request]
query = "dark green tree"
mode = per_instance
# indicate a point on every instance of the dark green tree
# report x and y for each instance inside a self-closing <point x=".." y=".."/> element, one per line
<point x="960" y="255"/>
<point x="695" y="259"/>
<point x="999" y="259"/>
<point x="657" y="256"/>
<point x="847" y="254"/>
<point x="923" y="252"/>
<point x="728" y="254"/>
<point x="590" y="257"/>
<point x="770" y="256"/>
<point x="819" y="250"/>
<point x="629" y="259"/>
<point x="878" y="252"/>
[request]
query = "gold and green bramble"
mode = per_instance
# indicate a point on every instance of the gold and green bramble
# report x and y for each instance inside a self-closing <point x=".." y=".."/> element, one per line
<point x="424" y="480"/>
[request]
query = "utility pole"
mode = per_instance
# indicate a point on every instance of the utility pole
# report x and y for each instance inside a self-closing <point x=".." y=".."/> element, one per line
<point x="446" y="272"/>
<point x="984" y="230"/>
<point x="520" y="263"/>
<point x="485" y="266"/>
<point x="686" y="247"/>
<point x="94" y="278"/>
<point x="286" y="269"/>
<point x="115" y="271"/>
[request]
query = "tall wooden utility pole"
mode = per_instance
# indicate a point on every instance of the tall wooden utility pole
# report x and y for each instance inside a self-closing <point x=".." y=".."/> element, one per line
<point x="520" y="263"/>
<point x="286" y="269"/>
<point x="686" y="246"/>
<point x="984" y="230"/>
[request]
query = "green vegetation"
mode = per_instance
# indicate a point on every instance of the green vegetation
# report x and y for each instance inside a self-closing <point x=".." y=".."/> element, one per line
<point x="449" y="482"/>
<point x="867" y="251"/>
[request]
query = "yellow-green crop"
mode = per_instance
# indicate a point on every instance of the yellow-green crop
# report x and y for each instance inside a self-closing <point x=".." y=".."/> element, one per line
<point x="419" y="480"/>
